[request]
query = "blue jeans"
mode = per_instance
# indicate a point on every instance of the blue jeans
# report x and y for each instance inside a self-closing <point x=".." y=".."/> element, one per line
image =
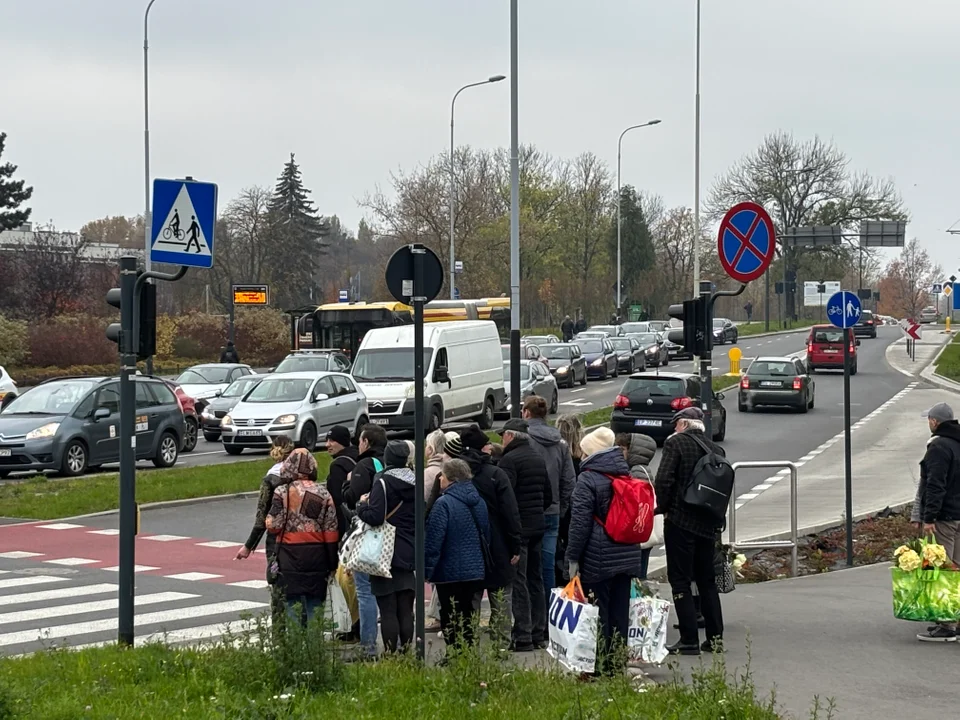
<point x="550" y="531"/>
<point x="368" y="613"/>
<point x="644" y="562"/>
<point x="303" y="608"/>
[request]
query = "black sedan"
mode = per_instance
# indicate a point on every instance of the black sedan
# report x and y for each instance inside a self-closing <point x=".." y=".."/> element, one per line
<point x="630" y="354"/>
<point x="217" y="407"/>
<point x="866" y="326"/>
<point x="647" y="403"/>
<point x="566" y="363"/>
<point x="600" y="356"/>
<point x="655" y="350"/>
<point x="724" y="331"/>
<point x="776" y="381"/>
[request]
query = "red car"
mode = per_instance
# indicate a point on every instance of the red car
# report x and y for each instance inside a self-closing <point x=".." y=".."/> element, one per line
<point x="191" y="420"/>
<point x="825" y="348"/>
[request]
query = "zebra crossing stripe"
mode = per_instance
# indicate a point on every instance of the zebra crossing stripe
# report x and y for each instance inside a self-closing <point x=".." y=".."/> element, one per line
<point x="190" y="634"/>
<point x="57" y="594"/>
<point x="94" y="626"/>
<point x="34" y="580"/>
<point x="88" y="607"/>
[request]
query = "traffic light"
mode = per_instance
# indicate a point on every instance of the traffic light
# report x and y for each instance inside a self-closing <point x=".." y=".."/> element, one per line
<point x="145" y="344"/>
<point x="692" y="313"/>
<point x="114" y="330"/>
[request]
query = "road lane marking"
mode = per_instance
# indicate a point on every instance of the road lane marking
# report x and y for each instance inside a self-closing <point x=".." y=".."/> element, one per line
<point x="192" y="576"/>
<point x="18" y="555"/>
<point x="219" y="544"/>
<point x="105" y="531"/>
<point x="57" y="594"/>
<point x="136" y="568"/>
<point x="59" y="526"/>
<point x="18" y="616"/>
<point x="255" y="584"/>
<point x="577" y="390"/>
<point x="165" y="538"/>
<point x="72" y="561"/>
<point x="34" y="580"/>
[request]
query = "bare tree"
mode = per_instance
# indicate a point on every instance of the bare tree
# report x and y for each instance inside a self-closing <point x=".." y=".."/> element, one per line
<point x="50" y="270"/>
<point x="905" y="287"/>
<point x="588" y="213"/>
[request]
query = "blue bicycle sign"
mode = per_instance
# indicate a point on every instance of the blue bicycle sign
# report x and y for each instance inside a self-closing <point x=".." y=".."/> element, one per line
<point x="843" y="309"/>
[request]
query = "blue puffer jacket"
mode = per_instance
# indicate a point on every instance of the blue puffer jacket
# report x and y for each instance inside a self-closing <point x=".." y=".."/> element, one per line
<point x="600" y="557"/>
<point x="452" y="546"/>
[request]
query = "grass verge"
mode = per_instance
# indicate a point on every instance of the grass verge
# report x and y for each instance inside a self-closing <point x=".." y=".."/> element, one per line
<point x="948" y="364"/>
<point x="255" y="679"/>
<point x="757" y="328"/>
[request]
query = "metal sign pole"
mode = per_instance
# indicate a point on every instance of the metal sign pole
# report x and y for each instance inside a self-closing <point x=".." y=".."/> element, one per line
<point x="419" y="431"/>
<point x="128" y="451"/>
<point x="847" y="452"/>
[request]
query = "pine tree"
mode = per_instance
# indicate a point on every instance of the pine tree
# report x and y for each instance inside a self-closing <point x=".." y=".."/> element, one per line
<point x="12" y="195"/>
<point x="299" y="236"/>
<point x="636" y="243"/>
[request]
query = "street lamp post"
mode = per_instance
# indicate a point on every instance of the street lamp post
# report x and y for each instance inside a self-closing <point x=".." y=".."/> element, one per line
<point x="453" y="275"/>
<point x="146" y="151"/>
<point x="696" y="172"/>
<point x="620" y="203"/>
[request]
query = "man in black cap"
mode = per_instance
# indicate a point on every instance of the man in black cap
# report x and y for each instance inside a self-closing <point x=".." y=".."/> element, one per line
<point x="344" y="456"/>
<point x="690" y="535"/>
<point x="531" y="485"/>
<point x="506" y="537"/>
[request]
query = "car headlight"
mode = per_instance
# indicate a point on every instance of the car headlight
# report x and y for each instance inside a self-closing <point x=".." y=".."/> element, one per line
<point x="208" y="413"/>
<point x="598" y="362"/>
<point x="45" y="431"/>
<point x="563" y="370"/>
<point x="227" y="420"/>
<point x="652" y="350"/>
<point x="285" y="420"/>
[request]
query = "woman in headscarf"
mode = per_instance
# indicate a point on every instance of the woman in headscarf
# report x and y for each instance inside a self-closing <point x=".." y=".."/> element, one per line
<point x="304" y="520"/>
<point x="282" y="447"/>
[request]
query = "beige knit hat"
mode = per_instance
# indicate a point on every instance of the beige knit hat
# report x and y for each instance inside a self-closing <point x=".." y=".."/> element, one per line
<point x="600" y="439"/>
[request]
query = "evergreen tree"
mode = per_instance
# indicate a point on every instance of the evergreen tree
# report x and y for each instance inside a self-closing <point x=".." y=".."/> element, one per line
<point x="12" y="195"/>
<point x="299" y="236"/>
<point x="637" y="253"/>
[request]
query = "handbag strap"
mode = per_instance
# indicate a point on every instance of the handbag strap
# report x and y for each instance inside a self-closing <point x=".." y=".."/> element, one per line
<point x="392" y="512"/>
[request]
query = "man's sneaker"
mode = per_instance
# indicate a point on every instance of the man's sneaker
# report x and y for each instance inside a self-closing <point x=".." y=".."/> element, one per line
<point x="938" y="633"/>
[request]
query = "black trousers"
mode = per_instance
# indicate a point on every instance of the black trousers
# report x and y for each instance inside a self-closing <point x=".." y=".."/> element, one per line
<point x="613" y="601"/>
<point x="396" y="619"/>
<point x="459" y="602"/>
<point x="690" y="560"/>
<point x="529" y="600"/>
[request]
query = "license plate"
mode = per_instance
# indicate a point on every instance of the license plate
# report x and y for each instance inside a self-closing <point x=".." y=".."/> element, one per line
<point x="829" y="351"/>
<point x="249" y="433"/>
<point x="647" y="423"/>
<point x="142" y="427"/>
<point x="380" y="421"/>
<point x="5" y="453"/>
<point x="769" y="383"/>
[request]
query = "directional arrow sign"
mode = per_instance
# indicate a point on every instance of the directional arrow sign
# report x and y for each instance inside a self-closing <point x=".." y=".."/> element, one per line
<point x="911" y="329"/>
<point x="577" y="403"/>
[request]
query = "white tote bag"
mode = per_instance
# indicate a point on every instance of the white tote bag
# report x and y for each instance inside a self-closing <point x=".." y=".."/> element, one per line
<point x="338" y="611"/>
<point x="647" y="634"/>
<point x="369" y="549"/>
<point x="573" y="632"/>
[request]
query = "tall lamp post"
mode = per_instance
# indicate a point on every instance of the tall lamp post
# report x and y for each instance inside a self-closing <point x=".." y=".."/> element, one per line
<point x="620" y="203"/>
<point x="453" y="103"/>
<point x="146" y="151"/>
<point x="696" y="172"/>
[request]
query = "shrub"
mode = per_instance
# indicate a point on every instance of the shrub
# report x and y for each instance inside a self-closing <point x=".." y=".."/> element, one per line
<point x="207" y="333"/>
<point x="262" y="335"/>
<point x="14" y="338"/>
<point x="71" y="340"/>
<point x="167" y="336"/>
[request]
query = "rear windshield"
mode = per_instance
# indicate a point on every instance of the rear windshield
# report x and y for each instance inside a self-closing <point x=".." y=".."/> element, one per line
<point x="655" y="387"/>
<point x="621" y="343"/>
<point x="773" y="368"/>
<point x="594" y="346"/>
<point x="828" y="336"/>
<point x="556" y="352"/>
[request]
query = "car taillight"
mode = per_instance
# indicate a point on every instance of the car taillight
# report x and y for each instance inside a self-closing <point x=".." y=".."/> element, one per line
<point x="797" y="384"/>
<point x="745" y="382"/>
<point x="853" y="348"/>
<point x="869" y="322"/>
<point x="680" y="403"/>
<point x="621" y="402"/>
<point x="810" y="349"/>
<point x="179" y="402"/>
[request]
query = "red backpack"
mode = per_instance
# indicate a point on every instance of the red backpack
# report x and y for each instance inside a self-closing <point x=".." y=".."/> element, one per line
<point x="630" y="518"/>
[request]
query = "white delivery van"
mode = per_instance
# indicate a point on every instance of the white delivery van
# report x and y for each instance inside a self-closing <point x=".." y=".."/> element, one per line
<point x="463" y="373"/>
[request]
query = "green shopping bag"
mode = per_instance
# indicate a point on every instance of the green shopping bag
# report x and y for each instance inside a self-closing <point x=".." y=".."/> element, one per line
<point x="931" y="595"/>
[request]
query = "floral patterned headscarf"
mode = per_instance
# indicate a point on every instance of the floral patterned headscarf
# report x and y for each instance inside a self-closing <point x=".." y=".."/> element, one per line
<point x="299" y="465"/>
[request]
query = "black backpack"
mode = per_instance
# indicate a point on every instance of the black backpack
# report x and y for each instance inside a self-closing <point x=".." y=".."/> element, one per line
<point x="711" y="484"/>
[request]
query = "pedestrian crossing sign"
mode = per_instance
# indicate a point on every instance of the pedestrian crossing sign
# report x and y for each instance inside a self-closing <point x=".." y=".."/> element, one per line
<point x="184" y="222"/>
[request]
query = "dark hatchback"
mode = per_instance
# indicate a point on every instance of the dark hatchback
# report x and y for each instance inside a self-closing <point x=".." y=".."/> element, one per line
<point x="223" y="403"/>
<point x="629" y="354"/>
<point x="866" y="326"/>
<point x="776" y="381"/>
<point x="601" y="358"/>
<point x="647" y="403"/>
<point x="566" y="363"/>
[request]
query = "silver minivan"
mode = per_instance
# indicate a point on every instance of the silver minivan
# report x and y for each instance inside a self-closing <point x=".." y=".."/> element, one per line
<point x="301" y="406"/>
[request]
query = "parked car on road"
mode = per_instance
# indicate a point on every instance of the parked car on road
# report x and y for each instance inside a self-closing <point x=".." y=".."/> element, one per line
<point x="535" y="379"/>
<point x="301" y="406"/>
<point x="202" y="382"/>
<point x="929" y="315"/>
<point x="825" y="348"/>
<point x="648" y="401"/>
<point x="218" y="407"/>
<point x="566" y="363"/>
<point x="8" y="389"/>
<point x="866" y="326"/>
<point x="630" y="355"/>
<point x="71" y="425"/>
<point x="724" y="331"/>
<point x="600" y="357"/>
<point x="776" y="381"/>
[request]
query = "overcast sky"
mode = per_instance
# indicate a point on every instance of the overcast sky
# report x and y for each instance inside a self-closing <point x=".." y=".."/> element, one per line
<point x="358" y="89"/>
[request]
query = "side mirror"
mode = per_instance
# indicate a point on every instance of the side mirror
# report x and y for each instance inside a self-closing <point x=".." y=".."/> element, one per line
<point x="441" y="375"/>
<point x="218" y="393"/>
<point x="858" y="343"/>
<point x="320" y="396"/>
<point x="720" y="396"/>
<point x="270" y="370"/>
<point x="101" y="413"/>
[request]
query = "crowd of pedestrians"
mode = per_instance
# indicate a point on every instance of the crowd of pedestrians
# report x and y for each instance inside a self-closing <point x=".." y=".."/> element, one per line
<point x="511" y="520"/>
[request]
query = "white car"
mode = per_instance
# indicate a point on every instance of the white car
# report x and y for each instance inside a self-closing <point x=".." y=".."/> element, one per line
<point x="301" y="406"/>
<point x="8" y="389"/>
<point x="203" y="382"/>
<point x="929" y="315"/>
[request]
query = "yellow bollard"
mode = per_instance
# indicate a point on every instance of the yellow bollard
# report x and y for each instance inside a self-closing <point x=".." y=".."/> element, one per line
<point x="137" y="529"/>
<point x="948" y="323"/>
<point x="735" y="354"/>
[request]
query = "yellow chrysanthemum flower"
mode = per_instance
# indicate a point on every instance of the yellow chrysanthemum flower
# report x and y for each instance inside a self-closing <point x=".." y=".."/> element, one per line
<point x="909" y="561"/>
<point x="935" y="554"/>
<point x="900" y="551"/>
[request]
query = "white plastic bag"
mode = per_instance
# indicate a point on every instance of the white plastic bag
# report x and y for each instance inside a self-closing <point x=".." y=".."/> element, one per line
<point x="573" y="630"/>
<point x="338" y="611"/>
<point x="433" y="607"/>
<point x="647" y="634"/>
<point x="656" y="536"/>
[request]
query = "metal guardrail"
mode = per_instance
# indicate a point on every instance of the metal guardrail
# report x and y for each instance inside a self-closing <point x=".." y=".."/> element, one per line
<point x="792" y="543"/>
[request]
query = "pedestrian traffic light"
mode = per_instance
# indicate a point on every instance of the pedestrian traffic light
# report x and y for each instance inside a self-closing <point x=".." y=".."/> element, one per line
<point x="689" y="313"/>
<point x="146" y="342"/>
<point x="114" y="331"/>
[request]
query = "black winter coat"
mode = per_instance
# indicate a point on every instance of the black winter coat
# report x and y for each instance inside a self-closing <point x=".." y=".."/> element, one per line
<point x="343" y="464"/>
<point x="361" y="479"/>
<point x="940" y="475"/>
<point x="530" y="482"/>
<point x="400" y="484"/>
<point x="503" y="515"/>
<point x="680" y="455"/>
<point x="600" y="558"/>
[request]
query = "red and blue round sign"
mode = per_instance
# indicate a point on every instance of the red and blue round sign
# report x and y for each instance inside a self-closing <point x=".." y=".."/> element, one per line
<point x="746" y="242"/>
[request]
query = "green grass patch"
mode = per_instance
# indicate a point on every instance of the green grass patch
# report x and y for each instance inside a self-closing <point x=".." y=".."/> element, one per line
<point x="757" y="327"/>
<point x="253" y="680"/>
<point x="725" y="382"/>
<point x="44" y="498"/>
<point x="948" y="364"/>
